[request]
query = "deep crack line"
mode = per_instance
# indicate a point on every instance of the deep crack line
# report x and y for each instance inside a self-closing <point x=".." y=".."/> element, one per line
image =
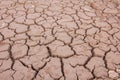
<point x="62" y="68"/>
<point x="93" y="74"/>
<point x="104" y="58"/>
<point x="92" y="55"/>
<point x="37" y="70"/>
<point x="77" y="76"/>
<point x="49" y="51"/>
<point x="11" y="56"/>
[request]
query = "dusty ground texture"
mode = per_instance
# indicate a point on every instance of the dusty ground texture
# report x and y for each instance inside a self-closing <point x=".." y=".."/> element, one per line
<point x="59" y="39"/>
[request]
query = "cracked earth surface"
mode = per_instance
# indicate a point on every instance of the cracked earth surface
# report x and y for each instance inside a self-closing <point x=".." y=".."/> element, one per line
<point x="59" y="39"/>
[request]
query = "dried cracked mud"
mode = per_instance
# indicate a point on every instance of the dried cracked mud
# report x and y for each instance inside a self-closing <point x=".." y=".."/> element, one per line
<point x="59" y="39"/>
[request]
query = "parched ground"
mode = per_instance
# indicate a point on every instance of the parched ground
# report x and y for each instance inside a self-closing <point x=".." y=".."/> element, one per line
<point x="59" y="39"/>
